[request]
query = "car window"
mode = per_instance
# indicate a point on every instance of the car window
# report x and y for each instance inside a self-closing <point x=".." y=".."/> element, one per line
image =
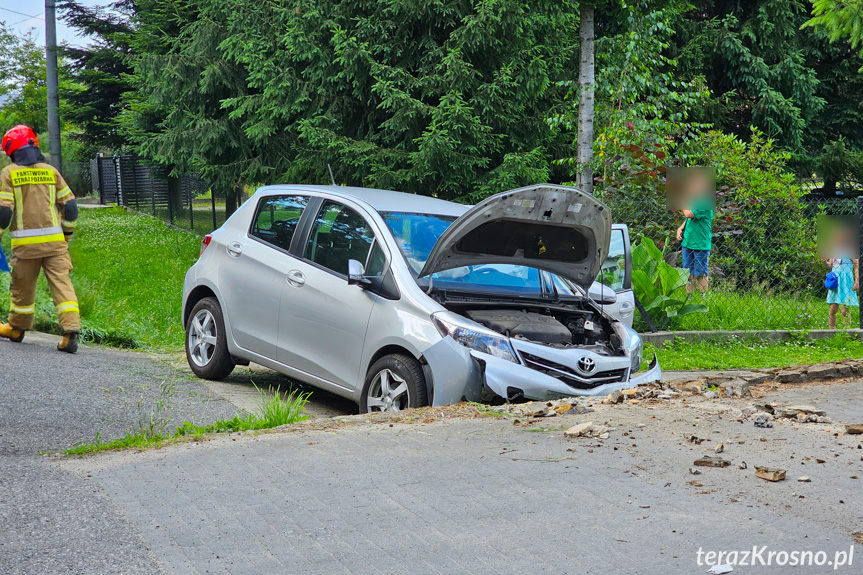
<point x="377" y="261"/>
<point x="613" y="270"/>
<point x="277" y="218"/>
<point x="339" y="234"/>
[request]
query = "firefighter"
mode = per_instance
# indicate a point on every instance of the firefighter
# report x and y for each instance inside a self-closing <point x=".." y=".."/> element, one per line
<point x="40" y="209"/>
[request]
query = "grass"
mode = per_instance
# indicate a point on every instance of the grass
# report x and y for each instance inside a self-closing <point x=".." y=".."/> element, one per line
<point x="273" y="411"/>
<point x="760" y="309"/>
<point x="129" y="271"/>
<point x="751" y="353"/>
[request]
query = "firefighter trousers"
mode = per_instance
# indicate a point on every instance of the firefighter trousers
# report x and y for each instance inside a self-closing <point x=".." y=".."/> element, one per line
<point x="24" y="275"/>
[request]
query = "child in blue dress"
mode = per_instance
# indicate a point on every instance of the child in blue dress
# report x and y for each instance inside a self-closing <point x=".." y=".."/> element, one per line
<point x="845" y="293"/>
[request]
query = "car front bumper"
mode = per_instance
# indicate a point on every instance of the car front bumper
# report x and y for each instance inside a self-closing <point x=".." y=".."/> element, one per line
<point x="458" y="373"/>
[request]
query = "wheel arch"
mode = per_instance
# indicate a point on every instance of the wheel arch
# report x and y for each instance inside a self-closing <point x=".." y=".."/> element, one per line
<point x="197" y="294"/>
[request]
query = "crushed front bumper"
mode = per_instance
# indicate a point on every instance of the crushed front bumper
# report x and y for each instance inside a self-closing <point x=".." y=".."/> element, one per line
<point x="457" y="373"/>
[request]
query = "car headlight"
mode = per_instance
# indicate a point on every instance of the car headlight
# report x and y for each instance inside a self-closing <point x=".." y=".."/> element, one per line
<point x="636" y="350"/>
<point x="473" y="336"/>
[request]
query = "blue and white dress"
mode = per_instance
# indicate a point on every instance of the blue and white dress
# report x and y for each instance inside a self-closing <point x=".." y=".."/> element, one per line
<point x="844" y="293"/>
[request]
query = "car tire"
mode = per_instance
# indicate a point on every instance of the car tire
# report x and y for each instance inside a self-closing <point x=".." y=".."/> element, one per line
<point x="383" y="388"/>
<point x="206" y="343"/>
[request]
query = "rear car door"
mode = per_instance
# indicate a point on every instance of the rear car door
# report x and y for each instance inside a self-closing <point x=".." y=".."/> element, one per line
<point x="323" y="319"/>
<point x="616" y="273"/>
<point x="252" y="278"/>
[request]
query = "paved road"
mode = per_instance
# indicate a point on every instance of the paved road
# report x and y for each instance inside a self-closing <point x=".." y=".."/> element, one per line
<point x="438" y="495"/>
<point x="52" y="521"/>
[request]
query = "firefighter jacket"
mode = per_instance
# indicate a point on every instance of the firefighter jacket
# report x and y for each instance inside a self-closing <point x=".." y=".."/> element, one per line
<point x="41" y="220"/>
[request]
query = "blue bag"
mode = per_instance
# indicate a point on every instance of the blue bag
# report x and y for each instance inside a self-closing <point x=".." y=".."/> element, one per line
<point x="831" y="280"/>
<point x="4" y="265"/>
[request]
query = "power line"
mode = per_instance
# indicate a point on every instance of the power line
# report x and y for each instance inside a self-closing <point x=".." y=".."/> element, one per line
<point x="21" y="13"/>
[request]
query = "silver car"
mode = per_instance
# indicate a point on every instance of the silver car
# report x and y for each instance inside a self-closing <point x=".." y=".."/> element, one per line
<point x="396" y="300"/>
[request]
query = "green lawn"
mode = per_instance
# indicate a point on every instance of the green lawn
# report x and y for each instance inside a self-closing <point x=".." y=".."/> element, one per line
<point x="761" y="310"/>
<point x="129" y="271"/>
<point x="751" y="353"/>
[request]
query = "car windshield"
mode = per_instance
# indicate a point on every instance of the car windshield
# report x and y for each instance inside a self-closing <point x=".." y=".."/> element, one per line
<point x="417" y="234"/>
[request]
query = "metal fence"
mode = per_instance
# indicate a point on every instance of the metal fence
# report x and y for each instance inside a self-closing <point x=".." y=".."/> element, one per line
<point x="186" y="202"/>
<point x="765" y="269"/>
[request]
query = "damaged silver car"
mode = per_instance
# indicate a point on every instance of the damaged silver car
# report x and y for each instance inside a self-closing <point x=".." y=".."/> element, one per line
<point x="396" y="300"/>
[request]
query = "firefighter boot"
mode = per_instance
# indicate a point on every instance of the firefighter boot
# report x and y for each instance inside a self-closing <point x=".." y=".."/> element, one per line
<point x="11" y="333"/>
<point x="69" y="343"/>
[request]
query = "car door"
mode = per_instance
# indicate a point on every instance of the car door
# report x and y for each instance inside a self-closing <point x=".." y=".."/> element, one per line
<point x="323" y="319"/>
<point x="616" y="273"/>
<point x="252" y="278"/>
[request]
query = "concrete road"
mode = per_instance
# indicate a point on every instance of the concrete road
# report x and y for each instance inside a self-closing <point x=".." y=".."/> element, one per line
<point x="428" y="493"/>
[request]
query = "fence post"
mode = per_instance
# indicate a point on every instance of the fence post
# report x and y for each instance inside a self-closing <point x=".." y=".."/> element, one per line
<point x="860" y="255"/>
<point x="213" y="206"/>
<point x="99" y="180"/>
<point x="191" y="207"/>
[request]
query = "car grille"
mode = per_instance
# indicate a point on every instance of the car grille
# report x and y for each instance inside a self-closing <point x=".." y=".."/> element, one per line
<point x="568" y="376"/>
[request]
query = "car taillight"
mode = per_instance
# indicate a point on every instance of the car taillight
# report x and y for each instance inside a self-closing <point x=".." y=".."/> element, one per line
<point x="204" y="243"/>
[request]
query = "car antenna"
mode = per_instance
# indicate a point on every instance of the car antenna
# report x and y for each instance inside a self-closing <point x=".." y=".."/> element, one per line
<point x="332" y="179"/>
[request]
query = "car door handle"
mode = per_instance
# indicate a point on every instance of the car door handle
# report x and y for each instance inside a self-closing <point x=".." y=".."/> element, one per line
<point x="627" y="309"/>
<point x="234" y="249"/>
<point x="296" y="278"/>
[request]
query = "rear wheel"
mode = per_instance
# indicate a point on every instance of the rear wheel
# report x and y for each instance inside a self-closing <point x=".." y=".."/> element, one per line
<point x="206" y="344"/>
<point x="395" y="382"/>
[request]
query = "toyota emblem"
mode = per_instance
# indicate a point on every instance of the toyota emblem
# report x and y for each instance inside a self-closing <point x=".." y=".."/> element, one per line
<point x="586" y="365"/>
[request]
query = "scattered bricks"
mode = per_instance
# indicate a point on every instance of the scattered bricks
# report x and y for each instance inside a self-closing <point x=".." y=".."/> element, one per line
<point x="540" y="410"/>
<point x="580" y="430"/>
<point x="630" y="393"/>
<point x="854" y="429"/>
<point x="789" y="376"/>
<point x="708" y="461"/>
<point x="822" y="371"/>
<point x="769" y="474"/>
<point x="614" y="397"/>
<point x="793" y="410"/>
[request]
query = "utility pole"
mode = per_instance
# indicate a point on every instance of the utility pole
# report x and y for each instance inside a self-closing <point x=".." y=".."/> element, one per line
<point x="53" y="84"/>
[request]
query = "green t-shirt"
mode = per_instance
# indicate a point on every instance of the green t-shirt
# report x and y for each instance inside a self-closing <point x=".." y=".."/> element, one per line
<point x="698" y="233"/>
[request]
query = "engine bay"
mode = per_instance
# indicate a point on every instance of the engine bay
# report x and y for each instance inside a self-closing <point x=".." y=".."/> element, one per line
<point x="559" y="326"/>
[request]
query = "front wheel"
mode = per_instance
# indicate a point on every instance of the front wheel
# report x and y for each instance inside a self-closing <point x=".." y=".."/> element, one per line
<point x="395" y="382"/>
<point x="206" y="344"/>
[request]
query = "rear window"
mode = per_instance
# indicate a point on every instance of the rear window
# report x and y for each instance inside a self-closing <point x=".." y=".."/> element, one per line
<point x="276" y="219"/>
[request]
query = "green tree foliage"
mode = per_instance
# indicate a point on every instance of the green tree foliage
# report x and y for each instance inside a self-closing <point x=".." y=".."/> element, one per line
<point x="100" y="70"/>
<point x="23" y="89"/>
<point x="440" y="97"/>
<point x="840" y="19"/>
<point x="763" y="71"/>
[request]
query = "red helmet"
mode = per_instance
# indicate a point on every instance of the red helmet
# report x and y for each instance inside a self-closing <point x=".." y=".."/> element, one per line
<point x="17" y="138"/>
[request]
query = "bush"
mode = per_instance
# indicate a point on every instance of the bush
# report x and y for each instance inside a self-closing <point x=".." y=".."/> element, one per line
<point x="659" y="287"/>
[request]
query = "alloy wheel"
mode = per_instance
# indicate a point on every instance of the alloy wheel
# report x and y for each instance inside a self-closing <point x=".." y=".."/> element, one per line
<point x="388" y="392"/>
<point x="202" y="337"/>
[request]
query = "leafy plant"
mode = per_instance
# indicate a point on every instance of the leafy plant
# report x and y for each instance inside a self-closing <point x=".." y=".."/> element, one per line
<point x="661" y="288"/>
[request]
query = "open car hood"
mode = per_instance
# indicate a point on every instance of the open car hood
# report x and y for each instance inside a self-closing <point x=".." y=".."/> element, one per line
<point x="559" y="229"/>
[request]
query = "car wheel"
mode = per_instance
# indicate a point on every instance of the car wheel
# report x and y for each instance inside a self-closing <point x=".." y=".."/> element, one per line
<point x="395" y="382"/>
<point x="206" y="344"/>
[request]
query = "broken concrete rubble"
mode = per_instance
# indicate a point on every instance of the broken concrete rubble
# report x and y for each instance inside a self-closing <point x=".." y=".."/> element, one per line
<point x="587" y="429"/>
<point x="854" y="429"/>
<point x="763" y="420"/>
<point x="708" y="461"/>
<point x="769" y="474"/>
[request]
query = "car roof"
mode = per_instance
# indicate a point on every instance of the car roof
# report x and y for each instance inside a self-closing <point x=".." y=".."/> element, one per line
<point x="380" y="200"/>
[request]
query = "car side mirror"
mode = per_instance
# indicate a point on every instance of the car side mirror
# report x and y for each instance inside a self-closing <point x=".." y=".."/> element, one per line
<point x="602" y="294"/>
<point x="357" y="273"/>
